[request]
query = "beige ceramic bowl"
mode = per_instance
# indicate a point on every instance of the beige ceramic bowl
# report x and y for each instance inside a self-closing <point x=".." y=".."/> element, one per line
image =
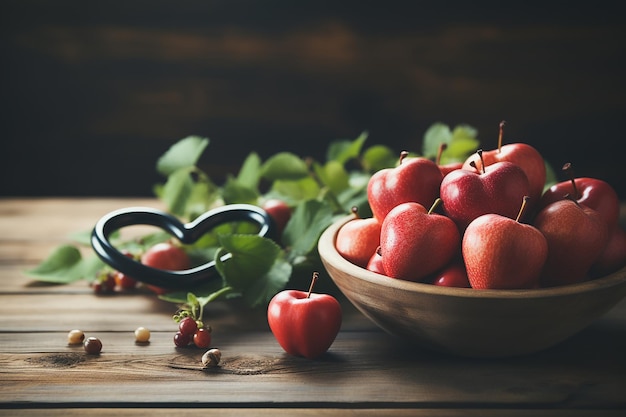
<point x="468" y="322"/>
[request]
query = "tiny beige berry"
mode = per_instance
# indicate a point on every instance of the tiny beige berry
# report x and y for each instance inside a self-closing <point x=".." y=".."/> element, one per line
<point x="75" y="337"/>
<point x="211" y="358"/>
<point x="142" y="335"/>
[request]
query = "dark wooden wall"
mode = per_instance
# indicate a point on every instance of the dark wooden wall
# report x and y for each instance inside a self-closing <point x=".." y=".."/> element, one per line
<point x="93" y="92"/>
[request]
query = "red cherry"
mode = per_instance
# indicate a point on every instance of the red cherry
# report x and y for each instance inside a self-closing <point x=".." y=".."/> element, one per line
<point x="202" y="338"/>
<point x="182" y="340"/>
<point x="188" y="326"/>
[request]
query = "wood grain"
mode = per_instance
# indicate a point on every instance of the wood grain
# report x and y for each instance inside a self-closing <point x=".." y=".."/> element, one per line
<point x="366" y="371"/>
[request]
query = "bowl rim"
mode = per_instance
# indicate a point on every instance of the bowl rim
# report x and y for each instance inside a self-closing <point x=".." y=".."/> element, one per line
<point x="329" y="254"/>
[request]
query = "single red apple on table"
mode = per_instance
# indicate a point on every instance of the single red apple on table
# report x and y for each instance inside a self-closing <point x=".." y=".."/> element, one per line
<point x="413" y="180"/>
<point x="358" y="239"/>
<point x="304" y="323"/>
<point x="498" y="188"/>
<point x="415" y="242"/>
<point x="576" y="236"/>
<point x="503" y="253"/>
<point x="523" y="155"/>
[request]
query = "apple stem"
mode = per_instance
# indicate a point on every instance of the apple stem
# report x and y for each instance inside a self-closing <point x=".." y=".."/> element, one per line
<point x="355" y="211"/>
<point x="482" y="161"/>
<point x="442" y="147"/>
<point x="500" y="134"/>
<point x="567" y="168"/>
<point x="435" y="205"/>
<point x="313" y="281"/>
<point x="403" y="155"/>
<point x="522" y="208"/>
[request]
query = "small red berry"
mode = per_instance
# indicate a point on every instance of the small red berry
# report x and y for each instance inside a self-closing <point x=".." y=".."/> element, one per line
<point x="188" y="326"/>
<point x="182" y="340"/>
<point x="202" y="338"/>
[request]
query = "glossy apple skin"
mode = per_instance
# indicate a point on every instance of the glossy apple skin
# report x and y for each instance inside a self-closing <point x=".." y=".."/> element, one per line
<point x="501" y="253"/>
<point x="448" y="168"/>
<point x="613" y="258"/>
<point x="358" y="239"/>
<point x="375" y="264"/>
<point x="279" y="211"/>
<point x="523" y="155"/>
<point x="414" y="244"/>
<point x="165" y="256"/>
<point x="592" y="192"/>
<point x="576" y="236"/>
<point x="467" y="194"/>
<point x="413" y="180"/>
<point x="454" y="275"/>
<point x="304" y="326"/>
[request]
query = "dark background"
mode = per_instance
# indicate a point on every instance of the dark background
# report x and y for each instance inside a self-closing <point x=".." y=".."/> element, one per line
<point x="93" y="92"/>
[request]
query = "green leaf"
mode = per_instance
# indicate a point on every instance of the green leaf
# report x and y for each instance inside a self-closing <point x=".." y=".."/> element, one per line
<point x="284" y="166"/>
<point x="308" y="221"/>
<point x="251" y="257"/>
<point x="177" y="190"/>
<point x="436" y="134"/>
<point x="344" y="150"/>
<point x="183" y="154"/>
<point x="62" y="266"/>
<point x="263" y="289"/>
<point x="333" y="175"/>
<point x="297" y="190"/>
<point x="250" y="172"/>
<point x="378" y="157"/>
<point x="235" y="192"/>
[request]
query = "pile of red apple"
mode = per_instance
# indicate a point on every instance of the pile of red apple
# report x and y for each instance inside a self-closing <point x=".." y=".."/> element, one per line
<point x="486" y="223"/>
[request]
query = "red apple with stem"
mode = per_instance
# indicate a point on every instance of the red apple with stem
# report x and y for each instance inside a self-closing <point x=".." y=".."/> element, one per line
<point x="446" y="168"/>
<point x="415" y="242"/>
<point x="304" y="323"/>
<point x="413" y="180"/>
<point x="591" y="192"/>
<point x="503" y="253"/>
<point x="358" y="239"/>
<point x="497" y="188"/>
<point x="576" y="234"/>
<point x="521" y="154"/>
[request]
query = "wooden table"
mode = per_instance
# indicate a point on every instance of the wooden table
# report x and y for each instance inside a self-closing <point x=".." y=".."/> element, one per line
<point x="366" y="371"/>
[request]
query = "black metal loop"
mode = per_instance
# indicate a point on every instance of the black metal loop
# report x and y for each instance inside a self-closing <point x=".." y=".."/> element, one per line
<point x="187" y="233"/>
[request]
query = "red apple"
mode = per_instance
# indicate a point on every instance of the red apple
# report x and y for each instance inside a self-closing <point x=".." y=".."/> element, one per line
<point x="375" y="264"/>
<point x="497" y="189"/>
<point x="446" y="168"/>
<point x="503" y="253"/>
<point x="304" y="324"/>
<point x="358" y="239"/>
<point x="576" y="236"/>
<point x="279" y="211"/>
<point x="613" y="258"/>
<point x="592" y="192"/>
<point x="415" y="242"/>
<point x="521" y="154"/>
<point x="413" y="180"/>
<point x="453" y="275"/>
<point x="165" y="255"/>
